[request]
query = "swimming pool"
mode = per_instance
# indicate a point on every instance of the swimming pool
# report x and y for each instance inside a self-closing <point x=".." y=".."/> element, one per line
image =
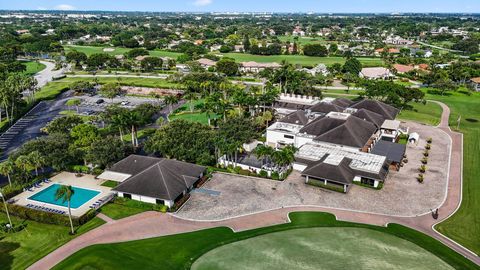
<point x="80" y="196"/>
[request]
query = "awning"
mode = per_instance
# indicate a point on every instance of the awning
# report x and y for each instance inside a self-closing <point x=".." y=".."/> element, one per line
<point x="393" y="151"/>
<point x="114" y="176"/>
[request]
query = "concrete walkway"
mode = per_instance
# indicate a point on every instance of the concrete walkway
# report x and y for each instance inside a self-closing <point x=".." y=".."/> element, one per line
<point x="153" y="224"/>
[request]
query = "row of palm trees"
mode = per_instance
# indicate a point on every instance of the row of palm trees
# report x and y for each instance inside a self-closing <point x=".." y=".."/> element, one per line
<point x="281" y="158"/>
<point x="24" y="163"/>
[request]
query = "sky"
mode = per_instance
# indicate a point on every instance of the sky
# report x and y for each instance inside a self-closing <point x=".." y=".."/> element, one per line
<point x="320" y="6"/>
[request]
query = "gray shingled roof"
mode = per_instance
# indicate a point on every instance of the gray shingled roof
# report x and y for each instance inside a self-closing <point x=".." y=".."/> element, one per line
<point x="325" y="107"/>
<point x="393" y="151"/>
<point x="297" y="117"/>
<point x="387" y="111"/>
<point x="321" y="125"/>
<point x="343" y="102"/>
<point x="341" y="173"/>
<point x="372" y="117"/>
<point x="157" y="177"/>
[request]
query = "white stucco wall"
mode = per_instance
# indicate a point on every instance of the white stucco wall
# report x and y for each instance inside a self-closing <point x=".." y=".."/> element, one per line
<point x="274" y="136"/>
<point x="299" y="141"/>
<point x="146" y="199"/>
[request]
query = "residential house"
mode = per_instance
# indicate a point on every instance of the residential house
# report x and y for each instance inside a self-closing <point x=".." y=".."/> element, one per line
<point x="475" y="83"/>
<point x="153" y="180"/>
<point x="206" y="63"/>
<point x="401" y="69"/>
<point x="397" y="40"/>
<point x="254" y="67"/>
<point x="375" y="73"/>
<point x="239" y="48"/>
<point x="319" y="69"/>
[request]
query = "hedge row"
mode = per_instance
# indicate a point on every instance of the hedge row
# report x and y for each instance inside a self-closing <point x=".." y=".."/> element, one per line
<point x="46" y="217"/>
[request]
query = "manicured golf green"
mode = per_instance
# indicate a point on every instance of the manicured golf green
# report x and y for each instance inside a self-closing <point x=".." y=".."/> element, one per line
<point x="321" y="248"/>
<point x="182" y="250"/>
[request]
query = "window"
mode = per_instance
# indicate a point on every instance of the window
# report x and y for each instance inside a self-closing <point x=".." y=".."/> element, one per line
<point x="367" y="181"/>
<point x="126" y="195"/>
<point x="288" y="137"/>
<point x="158" y="201"/>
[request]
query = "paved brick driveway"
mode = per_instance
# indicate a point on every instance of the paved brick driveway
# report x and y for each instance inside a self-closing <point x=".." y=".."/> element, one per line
<point x="402" y="195"/>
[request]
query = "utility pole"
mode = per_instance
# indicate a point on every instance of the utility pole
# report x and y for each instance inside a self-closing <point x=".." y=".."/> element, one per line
<point x="6" y="210"/>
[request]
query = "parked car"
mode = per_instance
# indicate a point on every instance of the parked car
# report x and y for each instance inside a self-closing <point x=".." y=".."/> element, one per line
<point x="124" y="103"/>
<point x="100" y="101"/>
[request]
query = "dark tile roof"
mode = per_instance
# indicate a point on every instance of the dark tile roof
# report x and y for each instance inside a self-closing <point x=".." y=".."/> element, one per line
<point x="297" y="117"/>
<point x="326" y="107"/>
<point x="354" y="132"/>
<point x="163" y="179"/>
<point x="372" y="117"/>
<point x="393" y="151"/>
<point x="341" y="173"/>
<point x="321" y="125"/>
<point x="387" y="111"/>
<point x="133" y="164"/>
<point x="343" y="102"/>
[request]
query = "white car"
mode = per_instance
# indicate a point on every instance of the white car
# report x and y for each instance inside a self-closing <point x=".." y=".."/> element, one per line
<point x="124" y="103"/>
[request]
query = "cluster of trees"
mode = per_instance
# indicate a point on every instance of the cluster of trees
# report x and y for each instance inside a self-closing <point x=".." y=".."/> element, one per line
<point x="392" y="93"/>
<point x="198" y="143"/>
<point x="293" y="81"/>
<point x="271" y="49"/>
<point x="315" y="50"/>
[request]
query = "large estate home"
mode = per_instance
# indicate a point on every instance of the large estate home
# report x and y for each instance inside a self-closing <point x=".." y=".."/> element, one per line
<point x="337" y="139"/>
<point x="153" y="180"/>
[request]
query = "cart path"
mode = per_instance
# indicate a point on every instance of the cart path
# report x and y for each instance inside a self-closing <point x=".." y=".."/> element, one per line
<point x="154" y="224"/>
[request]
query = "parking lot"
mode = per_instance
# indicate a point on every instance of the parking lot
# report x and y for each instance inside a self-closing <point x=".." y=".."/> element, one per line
<point x="124" y="101"/>
<point x="402" y="194"/>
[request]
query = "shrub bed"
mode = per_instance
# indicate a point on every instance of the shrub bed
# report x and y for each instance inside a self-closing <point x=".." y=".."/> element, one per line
<point x="46" y="217"/>
<point x="318" y="183"/>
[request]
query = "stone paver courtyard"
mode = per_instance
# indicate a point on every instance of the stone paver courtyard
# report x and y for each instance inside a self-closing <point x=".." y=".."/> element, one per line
<point x="401" y="195"/>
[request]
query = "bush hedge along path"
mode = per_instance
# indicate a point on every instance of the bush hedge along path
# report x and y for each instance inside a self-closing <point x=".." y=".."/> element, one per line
<point x="154" y="224"/>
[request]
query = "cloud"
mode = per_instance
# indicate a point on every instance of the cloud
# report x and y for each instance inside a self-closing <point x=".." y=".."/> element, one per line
<point x="64" y="7"/>
<point x="202" y="3"/>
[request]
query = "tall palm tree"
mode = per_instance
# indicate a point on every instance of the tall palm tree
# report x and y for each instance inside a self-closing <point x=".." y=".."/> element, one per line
<point x="6" y="168"/>
<point x="263" y="152"/>
<point x="37" y="160"/>
<point x="65" y="193"/>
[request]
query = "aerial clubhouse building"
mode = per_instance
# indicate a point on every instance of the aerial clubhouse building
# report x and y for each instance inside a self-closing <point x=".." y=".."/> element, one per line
<point x="153" y="180"/>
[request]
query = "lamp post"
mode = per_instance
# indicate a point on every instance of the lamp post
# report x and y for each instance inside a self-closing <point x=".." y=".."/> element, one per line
<point x="6" y="209"/>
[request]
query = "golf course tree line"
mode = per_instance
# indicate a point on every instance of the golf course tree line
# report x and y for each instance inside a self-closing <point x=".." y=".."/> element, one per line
<point x="13" y="85"/>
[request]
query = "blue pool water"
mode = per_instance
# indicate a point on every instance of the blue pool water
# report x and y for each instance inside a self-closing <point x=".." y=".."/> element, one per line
<point x="80" y="196"/>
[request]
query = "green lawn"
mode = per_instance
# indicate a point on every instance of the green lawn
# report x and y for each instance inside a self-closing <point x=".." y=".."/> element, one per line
<point x="88" y="50"/>
<point x="429" y="113"/>
<point x="110" y="184"/>
<point x="118" y="211"/>
<point x="303" y="40"/>
<point x="183" y="112"/>
<point x="122" y="208"/>
<point x="20" y="250"/>
<point x="51" y="90"/>
<point x="464" y="225"/>
<point x="141" y="82"/>
<point x="321" y="248"/>
<point x="301" y="59"/>
<point x="180" y="251"/>
<point x="33" y="67"/>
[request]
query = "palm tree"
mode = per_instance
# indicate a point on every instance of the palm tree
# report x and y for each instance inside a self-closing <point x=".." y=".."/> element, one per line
<point x="263" y="152"/>
<point x="170" y="101"/>
<point x="65" y="193"/>
<point x="37" y="160"/>
<point x="191" y="96"/>
<point x="6" y="168"/>
<point x="24" y="163"/>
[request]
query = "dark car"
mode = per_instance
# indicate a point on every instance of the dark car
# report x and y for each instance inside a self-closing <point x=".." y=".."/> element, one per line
<point x="100" y="101"/>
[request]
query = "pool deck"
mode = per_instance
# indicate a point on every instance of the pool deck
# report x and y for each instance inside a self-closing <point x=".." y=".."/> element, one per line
<point x="86" y="181"/>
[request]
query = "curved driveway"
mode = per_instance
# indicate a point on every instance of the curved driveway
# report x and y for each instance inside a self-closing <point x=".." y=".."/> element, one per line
<point x="153" y="224"/>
